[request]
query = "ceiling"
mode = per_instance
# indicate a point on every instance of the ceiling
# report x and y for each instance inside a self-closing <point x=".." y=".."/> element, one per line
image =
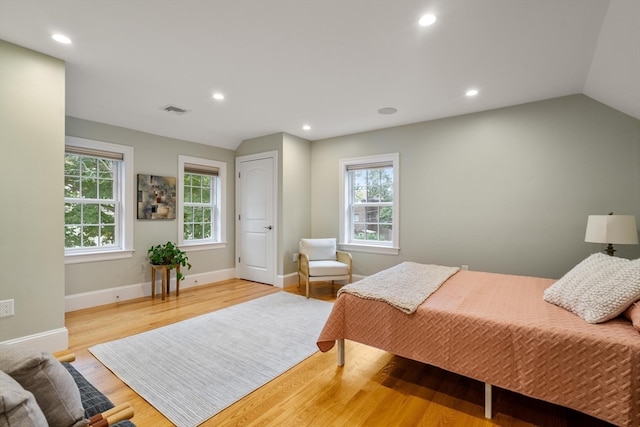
<point x="331" y="64"/>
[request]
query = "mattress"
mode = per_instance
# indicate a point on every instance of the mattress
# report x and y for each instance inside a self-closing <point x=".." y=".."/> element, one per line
<point x="497" y="329"/>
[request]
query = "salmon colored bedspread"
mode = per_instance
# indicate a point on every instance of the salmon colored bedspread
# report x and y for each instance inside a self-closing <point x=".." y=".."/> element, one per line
<point x="497" y="329"/>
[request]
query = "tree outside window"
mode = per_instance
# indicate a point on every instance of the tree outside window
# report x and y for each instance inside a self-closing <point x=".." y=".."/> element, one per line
<point x="91" y="201"/>
<point x="199" y="208"/>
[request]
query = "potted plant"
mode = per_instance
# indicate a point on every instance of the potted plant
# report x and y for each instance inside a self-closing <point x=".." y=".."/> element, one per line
<point x="171" y="255"/>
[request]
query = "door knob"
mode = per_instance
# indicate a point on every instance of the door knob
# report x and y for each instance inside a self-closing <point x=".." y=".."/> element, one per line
<point x="268" y="228"/>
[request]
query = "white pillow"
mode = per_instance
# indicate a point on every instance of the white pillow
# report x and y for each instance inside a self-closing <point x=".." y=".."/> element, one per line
<point x="598" y="289"/>
<point x="319" y="249"/>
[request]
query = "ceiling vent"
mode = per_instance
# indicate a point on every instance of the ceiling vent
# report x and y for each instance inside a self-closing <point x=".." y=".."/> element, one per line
<point x="173" y="109"/>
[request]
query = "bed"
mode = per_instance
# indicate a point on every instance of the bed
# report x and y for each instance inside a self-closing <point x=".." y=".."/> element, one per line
<point x="496" y="328"/>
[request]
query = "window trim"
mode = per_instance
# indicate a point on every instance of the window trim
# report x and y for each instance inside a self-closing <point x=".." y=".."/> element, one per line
<point x="344" y="240"/>
<point x="220" y="241"/>
<point x="125" y="216"/>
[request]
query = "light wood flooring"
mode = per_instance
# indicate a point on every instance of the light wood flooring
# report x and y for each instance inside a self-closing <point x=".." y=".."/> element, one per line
<point x="374" y="388"/>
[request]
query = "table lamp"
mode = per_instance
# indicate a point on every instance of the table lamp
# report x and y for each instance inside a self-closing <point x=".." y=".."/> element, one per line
<point x="610" y="229"/>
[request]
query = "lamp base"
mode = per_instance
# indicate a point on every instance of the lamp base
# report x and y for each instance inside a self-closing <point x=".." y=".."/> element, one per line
<point x="609" y="249"/>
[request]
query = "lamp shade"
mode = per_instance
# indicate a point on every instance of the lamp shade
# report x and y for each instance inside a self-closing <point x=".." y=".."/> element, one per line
<point x="619" y="229"/>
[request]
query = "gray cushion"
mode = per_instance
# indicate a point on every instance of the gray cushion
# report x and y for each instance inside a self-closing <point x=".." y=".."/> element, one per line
<point x="599" y="288"/>
<point x="53" y="387"/>
<point x="18" y="407"/>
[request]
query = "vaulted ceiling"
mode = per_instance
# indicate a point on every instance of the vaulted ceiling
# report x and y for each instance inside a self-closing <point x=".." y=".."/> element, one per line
<point x="328" y="64"/>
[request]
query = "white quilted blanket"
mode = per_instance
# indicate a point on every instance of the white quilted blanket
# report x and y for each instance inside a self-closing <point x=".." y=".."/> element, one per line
<point x="404" y="286"/>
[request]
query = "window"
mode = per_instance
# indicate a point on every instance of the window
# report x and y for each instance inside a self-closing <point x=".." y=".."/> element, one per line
<point x="201" y="211"/>
<point x="369" y="204"/>
<point x="98" y="222"/>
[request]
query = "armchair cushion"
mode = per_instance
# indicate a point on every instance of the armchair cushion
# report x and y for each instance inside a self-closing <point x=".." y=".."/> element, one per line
<point x="319" y="249"/>
<point x="328" y="268"/>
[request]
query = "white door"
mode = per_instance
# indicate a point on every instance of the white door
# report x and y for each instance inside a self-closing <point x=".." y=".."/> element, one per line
<point x="256" y="217"/>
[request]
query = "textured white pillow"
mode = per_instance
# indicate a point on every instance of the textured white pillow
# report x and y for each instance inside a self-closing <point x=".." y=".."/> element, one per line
<point x="319" y="249"/>
<point x="598" y="289"/>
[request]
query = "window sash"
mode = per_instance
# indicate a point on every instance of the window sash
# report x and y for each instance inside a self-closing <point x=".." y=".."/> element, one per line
<point x="95" y="232"/>
<point x="207" y="230"/>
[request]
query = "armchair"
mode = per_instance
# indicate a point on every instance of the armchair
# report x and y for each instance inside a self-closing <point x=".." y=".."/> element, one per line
<point x="320" y="261"/>
<point x="38" y="389"/>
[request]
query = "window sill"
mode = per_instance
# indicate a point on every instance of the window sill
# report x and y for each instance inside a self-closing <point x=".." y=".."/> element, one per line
<point x="189" y="247"/>
<point x="353" y="247"/>
<point x="79" y="258"/>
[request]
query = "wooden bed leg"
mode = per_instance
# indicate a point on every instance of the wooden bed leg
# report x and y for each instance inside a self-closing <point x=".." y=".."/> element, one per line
<point x="340" y="352"/>
<point x="488" y="401"/>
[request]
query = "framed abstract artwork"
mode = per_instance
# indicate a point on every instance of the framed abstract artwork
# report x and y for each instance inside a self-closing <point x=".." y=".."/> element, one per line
<point x="156" y="197"/>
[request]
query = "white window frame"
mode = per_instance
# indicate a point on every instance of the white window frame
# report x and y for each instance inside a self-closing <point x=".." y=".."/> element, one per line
<point x="390" y="248"/>
<point x="219" y="239"/>
<point x="124" y="216"/>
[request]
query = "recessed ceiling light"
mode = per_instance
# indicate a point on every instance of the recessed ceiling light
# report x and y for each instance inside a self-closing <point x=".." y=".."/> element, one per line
<point x="388" y="110"/>
<point x="218" y="96"/>
<point x="60" y="38"/>
<point x="306" y="127"/>
<point x="472" y="92"/>
<point x="427" y="20"/>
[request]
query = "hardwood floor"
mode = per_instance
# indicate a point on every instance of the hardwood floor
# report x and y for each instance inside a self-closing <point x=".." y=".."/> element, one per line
<point x="374" y="388"/>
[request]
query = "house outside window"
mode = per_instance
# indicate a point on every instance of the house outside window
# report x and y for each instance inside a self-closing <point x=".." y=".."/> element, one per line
<point x="97" y="200"/>
<point x="202" y="202"/>
<point x="370" y="204"/>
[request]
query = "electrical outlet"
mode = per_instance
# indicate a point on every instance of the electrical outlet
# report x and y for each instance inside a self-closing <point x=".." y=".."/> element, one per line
<point x="6" y="308"/>
<point x="295" y="257"/>
<point x="465" y="267"/>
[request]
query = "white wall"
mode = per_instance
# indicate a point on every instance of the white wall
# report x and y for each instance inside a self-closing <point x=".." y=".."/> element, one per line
<point x="507" y="190"/>
<point x="613" y="75"/>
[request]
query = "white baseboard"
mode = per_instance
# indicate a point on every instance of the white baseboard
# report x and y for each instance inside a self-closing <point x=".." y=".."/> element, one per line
<point x="287" y="280"/>
<point x="138" y="290"/>
<point x="50" y="341"/>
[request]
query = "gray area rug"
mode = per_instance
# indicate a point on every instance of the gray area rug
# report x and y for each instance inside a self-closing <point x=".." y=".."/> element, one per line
<point x="191" y="370"/>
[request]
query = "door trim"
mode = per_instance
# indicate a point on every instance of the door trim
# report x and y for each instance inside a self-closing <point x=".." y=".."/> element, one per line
<point x="273" y="155"/>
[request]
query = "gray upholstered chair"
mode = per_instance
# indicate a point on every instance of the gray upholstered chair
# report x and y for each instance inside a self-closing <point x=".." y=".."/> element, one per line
<point x="320" y="261"/>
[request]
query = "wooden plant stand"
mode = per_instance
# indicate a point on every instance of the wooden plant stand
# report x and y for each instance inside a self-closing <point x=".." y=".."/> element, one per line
<point x="166" y="280"/>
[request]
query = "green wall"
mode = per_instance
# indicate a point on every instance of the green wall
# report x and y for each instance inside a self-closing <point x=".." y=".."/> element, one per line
<point x="153" y="155"/>
<point x="294" y="196"/>
<point x="507" y="190"/>
<point x="31" y="181"/>
<point x="296" y="199"/>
